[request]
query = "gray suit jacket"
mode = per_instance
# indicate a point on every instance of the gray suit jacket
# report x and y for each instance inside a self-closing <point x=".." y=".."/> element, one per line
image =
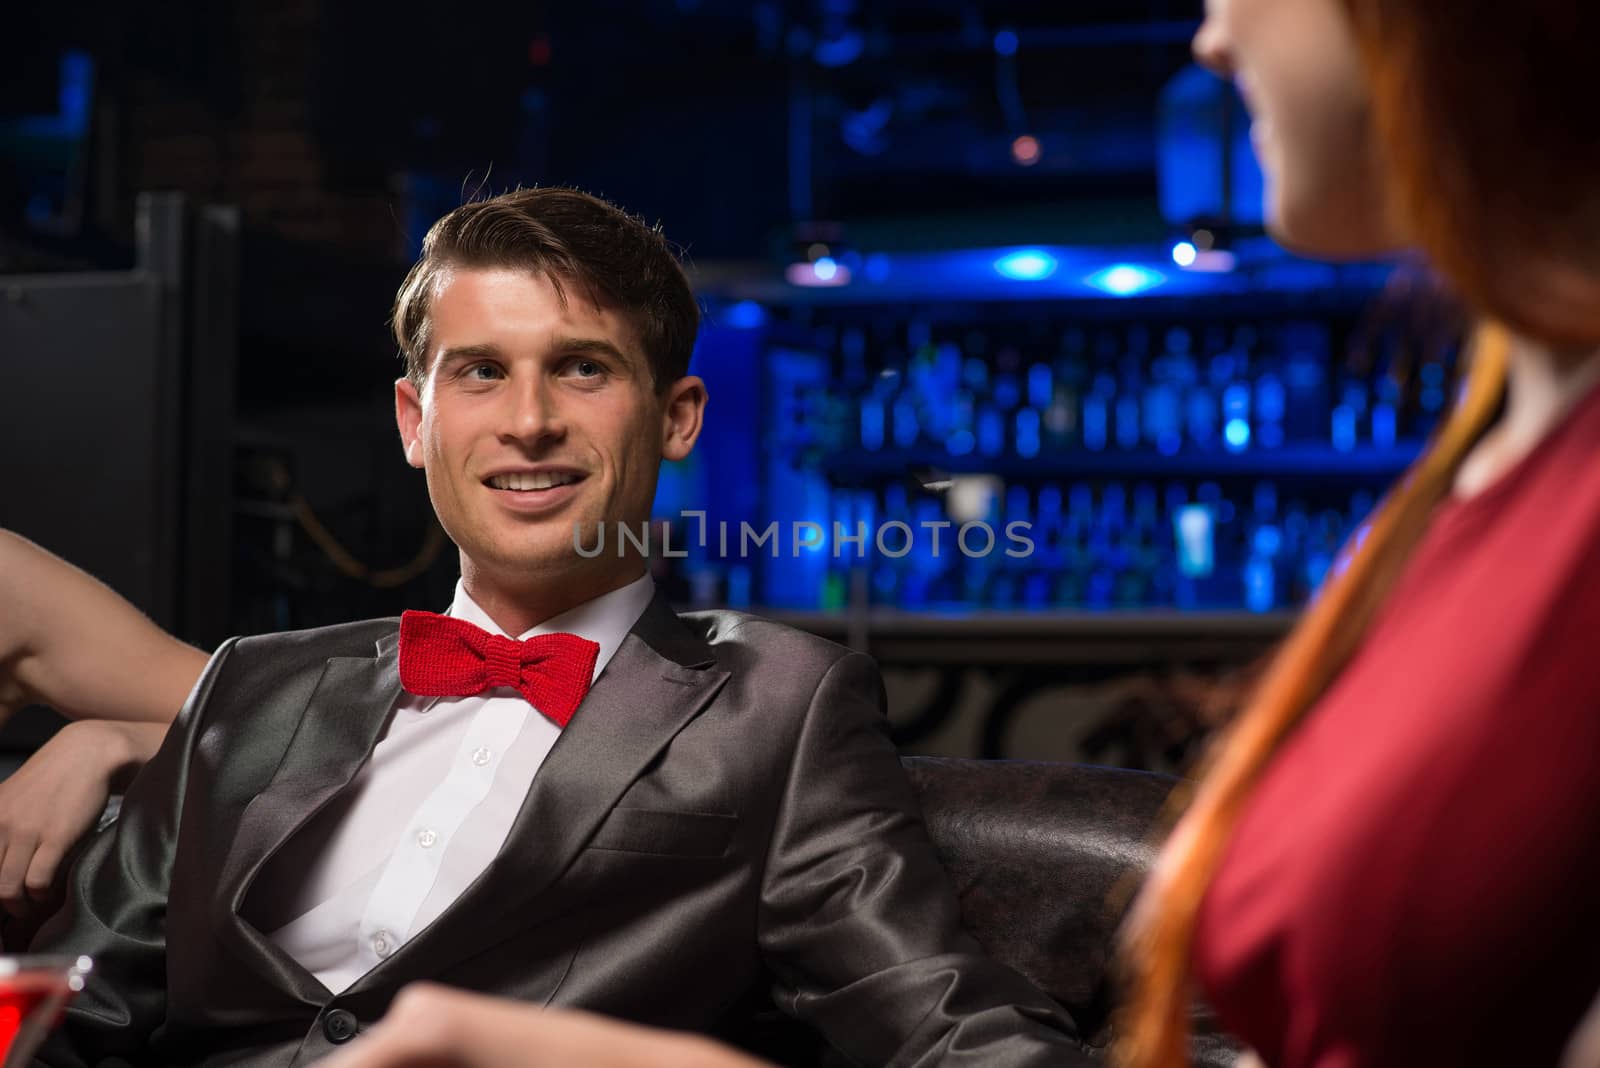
<point x="724" y="810"/>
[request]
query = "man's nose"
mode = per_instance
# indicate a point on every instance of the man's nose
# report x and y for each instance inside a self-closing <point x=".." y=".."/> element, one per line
<point x="534" y="412"/>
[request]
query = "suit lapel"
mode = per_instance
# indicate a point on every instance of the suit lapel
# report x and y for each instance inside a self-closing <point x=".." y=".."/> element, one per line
<point x="337" y="731"/>
<point x="660" y="678"/>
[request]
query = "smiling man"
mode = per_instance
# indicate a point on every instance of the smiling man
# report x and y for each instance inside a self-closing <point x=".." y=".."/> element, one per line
<point x="561" y="792"/>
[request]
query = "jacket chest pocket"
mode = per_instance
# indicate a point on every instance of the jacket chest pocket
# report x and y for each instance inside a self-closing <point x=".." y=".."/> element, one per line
<point x="667" y="834"/>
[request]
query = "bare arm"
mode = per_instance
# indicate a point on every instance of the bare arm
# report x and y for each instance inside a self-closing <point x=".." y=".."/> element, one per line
<point x="54" y="618"/>
<point x="52" y="801"/>
<point x="435" y="1027"/>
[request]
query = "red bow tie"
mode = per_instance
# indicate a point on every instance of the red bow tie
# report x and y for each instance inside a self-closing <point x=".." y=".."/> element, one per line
<point x="445" y="657"/>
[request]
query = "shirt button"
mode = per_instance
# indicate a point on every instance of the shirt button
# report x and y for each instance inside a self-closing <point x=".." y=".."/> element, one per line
<point x="481" y="755"/>
<point x="426" y="837"/>
<point x="339" y="1025"/>
<point x="383" y="944"/>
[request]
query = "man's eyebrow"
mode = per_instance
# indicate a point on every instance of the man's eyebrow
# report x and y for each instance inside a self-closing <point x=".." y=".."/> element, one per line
<point x="596" y="345"/>
<point x="460" y="353"/>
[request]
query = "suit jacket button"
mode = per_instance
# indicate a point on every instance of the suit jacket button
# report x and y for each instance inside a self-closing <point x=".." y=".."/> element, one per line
<point x="339" y="1025"/>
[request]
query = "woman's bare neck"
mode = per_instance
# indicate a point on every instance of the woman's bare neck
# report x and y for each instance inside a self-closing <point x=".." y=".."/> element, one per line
<point x="1542" y="385"/>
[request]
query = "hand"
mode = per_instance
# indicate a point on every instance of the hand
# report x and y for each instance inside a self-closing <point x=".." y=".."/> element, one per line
<point x="52" y="801"/>
<point x="436" y="1027"/>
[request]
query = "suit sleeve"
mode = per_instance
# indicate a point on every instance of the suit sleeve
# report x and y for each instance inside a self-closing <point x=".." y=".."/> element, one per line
<point x="859" y="922"/>
<point x="116" y="906"/>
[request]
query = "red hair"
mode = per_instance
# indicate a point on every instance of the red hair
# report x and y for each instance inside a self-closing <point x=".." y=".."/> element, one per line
<point x="1493" y="155"/>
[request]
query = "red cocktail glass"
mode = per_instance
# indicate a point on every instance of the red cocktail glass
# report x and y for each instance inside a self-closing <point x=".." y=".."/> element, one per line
<point x="34" y="992"/>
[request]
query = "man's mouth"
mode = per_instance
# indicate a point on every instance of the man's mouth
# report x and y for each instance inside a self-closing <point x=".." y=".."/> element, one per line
<point x="532" y="480"/>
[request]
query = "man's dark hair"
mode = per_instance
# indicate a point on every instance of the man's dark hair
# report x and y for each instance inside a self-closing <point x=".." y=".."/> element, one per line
<point x="571" y="238"/>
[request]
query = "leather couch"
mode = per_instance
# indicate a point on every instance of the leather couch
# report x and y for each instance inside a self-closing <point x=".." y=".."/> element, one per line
<point x="1045" y="859"/>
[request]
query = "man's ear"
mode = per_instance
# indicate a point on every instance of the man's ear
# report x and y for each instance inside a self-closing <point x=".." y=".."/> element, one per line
<point x="682" y="414"/>
<point x="408" y="417"/>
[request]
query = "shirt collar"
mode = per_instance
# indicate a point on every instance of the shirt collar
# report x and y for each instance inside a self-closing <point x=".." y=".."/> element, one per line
<point x="605" y="620"/>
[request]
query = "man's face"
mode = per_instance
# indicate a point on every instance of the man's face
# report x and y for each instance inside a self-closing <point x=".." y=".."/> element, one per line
<point x="535" y="417"/>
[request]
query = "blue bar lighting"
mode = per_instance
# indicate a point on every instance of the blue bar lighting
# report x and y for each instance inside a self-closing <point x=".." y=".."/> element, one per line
<point x="1125" y="280"/>
<point x="1026" y="265"/>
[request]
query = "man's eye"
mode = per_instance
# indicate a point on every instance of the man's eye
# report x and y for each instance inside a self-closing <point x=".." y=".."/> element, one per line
<point x="483" y="371"/>
<point x="588" y="368"/>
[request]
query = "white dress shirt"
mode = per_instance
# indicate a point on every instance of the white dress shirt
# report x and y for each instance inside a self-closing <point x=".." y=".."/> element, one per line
<point x="427" y="814"/>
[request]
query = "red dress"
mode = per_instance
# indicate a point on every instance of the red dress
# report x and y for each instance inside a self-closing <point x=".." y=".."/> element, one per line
<point x="1416" y="879"/>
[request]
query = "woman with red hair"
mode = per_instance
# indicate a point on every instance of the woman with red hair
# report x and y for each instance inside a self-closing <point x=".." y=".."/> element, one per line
<point x="1391" y="857"/>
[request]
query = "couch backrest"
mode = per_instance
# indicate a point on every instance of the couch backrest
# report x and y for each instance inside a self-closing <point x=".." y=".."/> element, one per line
<point x="1045" y="859"/>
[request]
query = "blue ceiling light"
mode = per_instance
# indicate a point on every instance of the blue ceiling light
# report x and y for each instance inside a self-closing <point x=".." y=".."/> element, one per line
<point x="1005" y="43"/>
<point x="1125" y="280"/>
<point x="826" y="267"/>
<point x="1026" y="265"/>
<point x="1184" y="253"/>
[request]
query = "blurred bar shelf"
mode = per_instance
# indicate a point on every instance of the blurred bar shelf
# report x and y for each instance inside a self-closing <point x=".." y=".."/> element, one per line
<point x="1296" y="461"/>
<point x="1106" y="639"/>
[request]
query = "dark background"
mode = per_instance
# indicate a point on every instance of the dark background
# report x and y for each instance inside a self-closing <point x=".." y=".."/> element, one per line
<point x="198" y="385"/>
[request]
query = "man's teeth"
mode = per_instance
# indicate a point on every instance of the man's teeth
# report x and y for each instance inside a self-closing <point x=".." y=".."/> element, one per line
<point x="541" y="480"/>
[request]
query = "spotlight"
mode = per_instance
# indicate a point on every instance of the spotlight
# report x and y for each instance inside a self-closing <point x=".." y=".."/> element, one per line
<point x="1205" y="247"/>
<point x="1026" y="150"/>
<point x="825" y="272"/>
<point x="1026" y="265"/>
<point x="820" y="256"/>
<point x="1125" y="279"/>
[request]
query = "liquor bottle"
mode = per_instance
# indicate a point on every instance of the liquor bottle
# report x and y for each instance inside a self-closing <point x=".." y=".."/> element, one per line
<point x="1386" y="413"/>
<point x="1147" y="585"/>
<point x="1271" y="406"/>
<point x="873" y="423"/>
<point x="1097" y="412"/>
<point x="888" y="571"/>
<point x="1128" y="397"/>
<point x="1200" y="413"/>
<point x="1041" y="386"/>
<point x="1008" y="384"/>
<point x="991" y="431"/>
<point x="1304" y="347"/>
<point x="1049" y="529"/>
<point x="1163" y="393"/>
<point x="1071" y="383"/>
<point x="853" y="376"/>
<point x="1349" y="413"/>
<point x="1028" y="425"/>
<point x="963" y="436"/>
<point x="1260" y="583"/>
<point x="1026" y="433"/>
<point x="1236" y="415"/>
<point x="907" y="425"/>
